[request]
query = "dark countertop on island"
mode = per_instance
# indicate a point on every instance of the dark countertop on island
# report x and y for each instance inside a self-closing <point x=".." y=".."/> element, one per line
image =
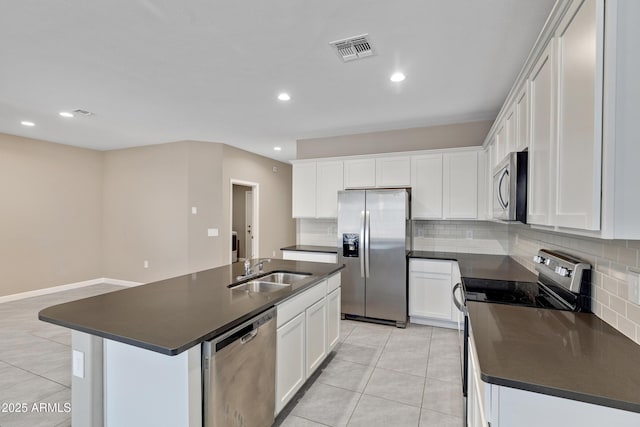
<point x="561" y="353"/>
<point x="172" y="315"/>
<point x="311" y="248"/>
<point x="482" y="266"/>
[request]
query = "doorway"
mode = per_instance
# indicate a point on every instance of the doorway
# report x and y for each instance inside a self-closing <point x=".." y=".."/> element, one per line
<point x="244" y="220"/>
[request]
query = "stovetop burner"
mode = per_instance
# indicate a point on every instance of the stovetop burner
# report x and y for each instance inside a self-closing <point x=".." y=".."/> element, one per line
<point x="528" y="294"/>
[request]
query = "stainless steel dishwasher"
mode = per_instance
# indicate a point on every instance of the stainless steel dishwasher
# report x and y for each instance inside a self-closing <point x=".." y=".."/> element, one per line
<point x="239" y="374"/>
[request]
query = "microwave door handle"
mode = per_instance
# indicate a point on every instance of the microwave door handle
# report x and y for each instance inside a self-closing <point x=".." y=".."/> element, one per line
<point x="500" y="199"/>
<point x="361" y="252"/>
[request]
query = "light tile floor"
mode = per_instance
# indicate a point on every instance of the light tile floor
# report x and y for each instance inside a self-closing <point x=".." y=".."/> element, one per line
<point x="378" y="376"/>
<point x="384" y="376"/>
<point x="35" y="360"/>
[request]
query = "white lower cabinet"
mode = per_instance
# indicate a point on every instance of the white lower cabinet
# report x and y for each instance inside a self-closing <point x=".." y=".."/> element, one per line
<point x="431" y="292"/>
<point x="290" y="363"/>
<point x="308" y="328"/>
<point x="316" y="324"/>
<point x="333" y="319"/>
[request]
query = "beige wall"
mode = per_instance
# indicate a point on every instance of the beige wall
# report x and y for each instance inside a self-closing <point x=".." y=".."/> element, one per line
<point x="50" y="214"/>
<point x="276" y="227"/>
<point x="422" y="138"/>
<point x="145" y="212"/>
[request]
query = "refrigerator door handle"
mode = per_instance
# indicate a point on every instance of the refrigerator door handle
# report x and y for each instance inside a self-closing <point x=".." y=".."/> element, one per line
<point x="367" y="240"/>
<point x="361" y="252"/>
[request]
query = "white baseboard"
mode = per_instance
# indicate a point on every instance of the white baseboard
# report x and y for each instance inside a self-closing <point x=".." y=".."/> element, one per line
<point x="121" y="282"/>
<point x="69" y="286"/>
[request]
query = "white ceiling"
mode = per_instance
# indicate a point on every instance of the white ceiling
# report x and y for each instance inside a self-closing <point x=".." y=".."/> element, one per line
<point x="156" y="71"/>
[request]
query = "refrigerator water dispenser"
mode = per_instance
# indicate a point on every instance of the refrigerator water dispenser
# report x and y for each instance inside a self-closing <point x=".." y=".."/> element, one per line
<point x="350" y="245"/>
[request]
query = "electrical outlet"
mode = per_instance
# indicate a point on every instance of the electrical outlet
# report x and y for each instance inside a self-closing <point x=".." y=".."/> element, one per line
<point x="273" y="253"/>
<point x="145" y="264"/>
<point x="194" y="210"/>
<point x="78" y="364"/>
<point x="633" y="279"/>
<point x="469" y="234"/>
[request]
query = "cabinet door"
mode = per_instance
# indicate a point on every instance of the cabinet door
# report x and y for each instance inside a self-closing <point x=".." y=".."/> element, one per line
<point x="290" y="364"/>
<point x="304" y="190"/>
<point x="329" y="182"/>
<point x="360" y="173"/>
<point x="430" y="295"/>
<point x="510" y="131"/>
<point x="522" y="118"/>
<point x="333" y="319"/>
<point x="393" y="172"/>
<point x="316" y="324"/>
<point x="461" y="185"/>
<point x="579" y="145"/>
<point x="500" y="144"/>
<point x="426" y="187"/>
<point x="541" y="140"/>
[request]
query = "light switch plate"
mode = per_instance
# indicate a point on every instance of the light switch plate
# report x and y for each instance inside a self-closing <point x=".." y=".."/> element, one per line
<point x="212" y="232"/>
<point x="194" y="210"/>
<point x="633" y="279"/>
<point x="78" y="364"/>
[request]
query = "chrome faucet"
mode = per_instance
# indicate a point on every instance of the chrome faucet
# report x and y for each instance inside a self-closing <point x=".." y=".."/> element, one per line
<point x="259" y="263"/>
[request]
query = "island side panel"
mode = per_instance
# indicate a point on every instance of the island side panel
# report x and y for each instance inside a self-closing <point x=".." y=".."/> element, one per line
<point x="87" y="392"/>
<point x="145" y="388"/>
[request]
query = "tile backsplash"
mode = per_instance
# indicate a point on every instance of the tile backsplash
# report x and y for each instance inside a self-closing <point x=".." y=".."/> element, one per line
<point x="317" y="232"/>
<point x="461" y="236"/>
<point x="611" y="261"/>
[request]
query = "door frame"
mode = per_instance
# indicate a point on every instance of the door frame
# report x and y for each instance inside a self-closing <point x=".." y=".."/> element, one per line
<point x="248" y="199"/>
<point x="255" y="190"/>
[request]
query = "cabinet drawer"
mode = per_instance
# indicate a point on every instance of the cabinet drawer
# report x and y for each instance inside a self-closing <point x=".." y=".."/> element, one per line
<point x="429" y="266"/>
<point x="298" y="304"/>
<point x="334" y="282"/>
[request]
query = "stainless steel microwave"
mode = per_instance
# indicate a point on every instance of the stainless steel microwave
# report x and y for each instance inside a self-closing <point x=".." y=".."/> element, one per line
<point x="510" y="188"/>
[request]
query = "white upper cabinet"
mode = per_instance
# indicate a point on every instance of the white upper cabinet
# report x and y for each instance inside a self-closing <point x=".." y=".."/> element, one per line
<point x="522" y="118"/>
<point x="426" y="186"/>
<point x="315" y="189"/>
<point x="510" y="131"/>
<point x="360" y="173"/>
<point x="579" y="118"/>
<point x="393" y="172"/>
<point x="304" y="190"/>
<point x="500" y="144"/>
<point x="541" y="142"/>
<point x="460" y="185"/>
<point x="329" y="182"/>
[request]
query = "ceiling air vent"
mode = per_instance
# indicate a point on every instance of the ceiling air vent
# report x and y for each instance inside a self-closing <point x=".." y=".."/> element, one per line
<point x="83" y="112"/>
<point x="352" y="48"/>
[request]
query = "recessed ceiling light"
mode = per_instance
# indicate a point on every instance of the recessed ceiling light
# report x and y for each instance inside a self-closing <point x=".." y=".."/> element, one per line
<point x="277" y="148"/>
<point x="284" y="97"/>
<point x="397" y="77"/>
<point x="66" y="114"/>
<point x="27" y="123"/>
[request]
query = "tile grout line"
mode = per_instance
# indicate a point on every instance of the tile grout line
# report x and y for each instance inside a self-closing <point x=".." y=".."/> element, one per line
<point x="368" y="380"/>
<point x="424" y="385"/>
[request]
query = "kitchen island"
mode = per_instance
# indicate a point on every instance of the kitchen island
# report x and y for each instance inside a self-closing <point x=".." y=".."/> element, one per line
<point x="137" y="351"/>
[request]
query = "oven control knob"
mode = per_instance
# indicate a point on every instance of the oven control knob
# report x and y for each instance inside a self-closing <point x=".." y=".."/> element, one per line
<point x="538" y="259"/>
<point x="562" y="271"/>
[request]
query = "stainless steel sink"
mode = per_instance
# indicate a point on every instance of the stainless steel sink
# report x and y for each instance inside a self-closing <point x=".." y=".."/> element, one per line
<point x="288" y="278"/>
<point x="261" y="286"/>
<point x="271" y="283"/>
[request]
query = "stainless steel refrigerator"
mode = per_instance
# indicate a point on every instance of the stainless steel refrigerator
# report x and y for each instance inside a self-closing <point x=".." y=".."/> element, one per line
<point x="374" y="234"/>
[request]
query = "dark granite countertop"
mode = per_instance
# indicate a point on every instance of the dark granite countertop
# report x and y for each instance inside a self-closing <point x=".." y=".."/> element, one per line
<point x="482" y="266"/>
<point x="561" y="353"/>
<point x="311" y="248"/>
<point x="172" y="315"/>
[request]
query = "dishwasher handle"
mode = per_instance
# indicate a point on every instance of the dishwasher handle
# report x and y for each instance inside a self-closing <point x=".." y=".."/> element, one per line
<point x="251" y="335"/>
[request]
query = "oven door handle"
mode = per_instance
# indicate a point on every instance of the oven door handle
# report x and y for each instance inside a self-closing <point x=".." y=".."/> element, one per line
<point x="455" y="300"/>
